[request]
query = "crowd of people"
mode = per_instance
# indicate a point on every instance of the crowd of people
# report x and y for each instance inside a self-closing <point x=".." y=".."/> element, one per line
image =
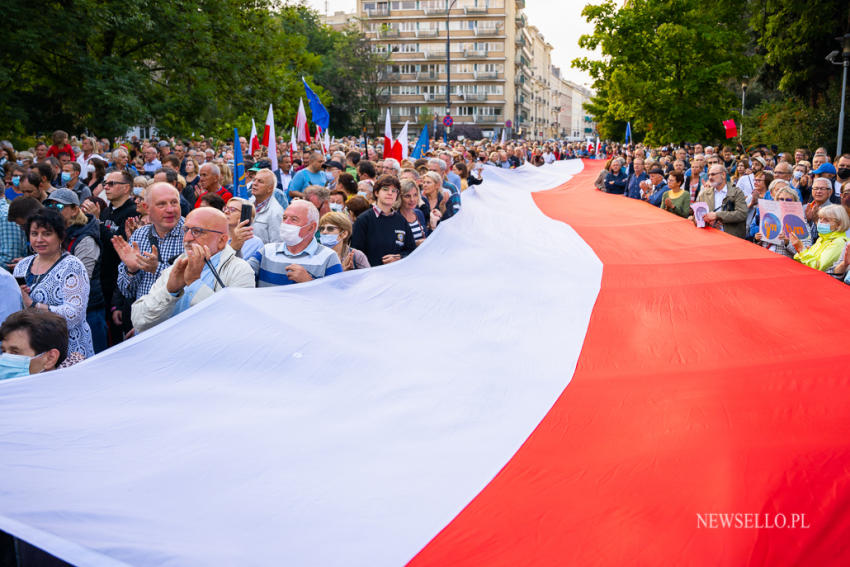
<point x="732" y="182"/>
<point x="103" y="239"/>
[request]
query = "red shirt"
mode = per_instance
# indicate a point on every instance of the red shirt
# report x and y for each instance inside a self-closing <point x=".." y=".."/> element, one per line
<point x="55" y="151"/>
<point x="222" y="192"/>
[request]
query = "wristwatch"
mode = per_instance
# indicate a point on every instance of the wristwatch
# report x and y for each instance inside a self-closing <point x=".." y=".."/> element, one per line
<point x="177" y="294"/>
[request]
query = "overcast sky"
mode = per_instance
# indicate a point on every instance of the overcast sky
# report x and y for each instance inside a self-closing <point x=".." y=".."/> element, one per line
<point x="559" y="21"/>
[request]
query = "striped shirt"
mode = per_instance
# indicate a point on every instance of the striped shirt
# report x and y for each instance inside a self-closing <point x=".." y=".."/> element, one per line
<point x="418" y="231"/>
<point x="270" y="262"/>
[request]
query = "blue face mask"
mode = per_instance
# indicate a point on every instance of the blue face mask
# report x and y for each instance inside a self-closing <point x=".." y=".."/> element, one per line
<point x="16" y="180"/>
<point x="337" y="207"/>
<point x="329" y="239"/>
<point x="824" y="228"/>
<point x="14" y="365"/>
<point x="66" y="177"/>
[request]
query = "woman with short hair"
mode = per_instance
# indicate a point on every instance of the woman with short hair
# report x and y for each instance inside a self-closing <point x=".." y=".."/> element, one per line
<point x="832" y="225"/>
<point x="56" y="280"/>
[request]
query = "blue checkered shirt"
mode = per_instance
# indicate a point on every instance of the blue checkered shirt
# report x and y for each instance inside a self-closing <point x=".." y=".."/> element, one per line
<point x="13" y="242"/>
<point x="134" y="286"/>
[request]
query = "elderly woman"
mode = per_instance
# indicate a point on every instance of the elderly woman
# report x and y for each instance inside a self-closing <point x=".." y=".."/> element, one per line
<point x="56" y="280"/>
<point x="82" y="239"/>
<point x="676" y="199"/>
<point x="242" y="238"/>
<point x="781" y="192"/>
<point x="382" y="233"/>
<point x="832" y="225"/>
<point x="335" y="232"/>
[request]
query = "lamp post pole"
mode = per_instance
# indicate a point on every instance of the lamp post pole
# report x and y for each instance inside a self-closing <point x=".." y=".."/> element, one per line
<point x="845" y="52"/>
<point x="744" y="85"/>
<point x="448" y="70"/>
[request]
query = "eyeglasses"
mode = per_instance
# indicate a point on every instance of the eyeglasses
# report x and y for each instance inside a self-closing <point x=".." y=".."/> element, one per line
<point x="197" y="231"/>
<point x="328" y="228"/>
<point x="55" y="205"/>
<point x="228" y="210"/>
<point x="111" y="183"/>
<point x="786" y="200"/>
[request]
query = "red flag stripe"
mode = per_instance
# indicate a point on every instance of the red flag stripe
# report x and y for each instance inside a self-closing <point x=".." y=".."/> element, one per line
<point x="713" y="379"/>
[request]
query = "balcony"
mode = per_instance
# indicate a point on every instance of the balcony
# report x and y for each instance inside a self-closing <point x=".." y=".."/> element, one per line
<point x="521" y="20"/>
<point x="427" y="33"/>
<point x="475" y="53"/>
<point x="377" y="12"/>
<point x="426" y="75"/>
<point x="519" y="41"/>
<point x="389" y="33"/>
<point x="431" y="11"/>
<point x="488" y="31"/>
<point x="389" y="76"/>
<point x="520" y="4"/>
<point x="486" y="75"/>
<point x="435" y="55"/>
<point x="474" y="97"/>
<point x="430" y="97"/>
<point x="475" y="10"/>
<point x="383" y="98"/>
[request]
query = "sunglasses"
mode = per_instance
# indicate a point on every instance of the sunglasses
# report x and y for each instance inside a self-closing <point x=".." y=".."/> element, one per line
<point x="54" y="205"/>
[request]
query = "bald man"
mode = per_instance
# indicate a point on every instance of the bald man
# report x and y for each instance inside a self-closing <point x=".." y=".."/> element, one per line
<point x="269" y="212"/>
<point x="153" y="246"/>
<point x="190" y="280"/>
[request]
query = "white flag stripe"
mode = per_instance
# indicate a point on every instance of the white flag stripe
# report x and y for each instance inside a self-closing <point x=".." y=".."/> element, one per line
<point x="250" y="435"/>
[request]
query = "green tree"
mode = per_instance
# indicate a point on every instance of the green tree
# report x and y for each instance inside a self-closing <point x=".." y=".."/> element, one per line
<point x="187" y="66"/>
<point x="667" y="67"/>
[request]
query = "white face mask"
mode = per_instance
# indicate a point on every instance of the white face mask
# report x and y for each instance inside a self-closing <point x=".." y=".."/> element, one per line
<point x="289" y="233"/>
<point x="337" y="207"/>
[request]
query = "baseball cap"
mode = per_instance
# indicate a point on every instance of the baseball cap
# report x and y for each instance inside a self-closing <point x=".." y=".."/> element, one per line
<point x="825" y="168"/>
<point x="64" y="196"/>
<point x="332" y="163"/>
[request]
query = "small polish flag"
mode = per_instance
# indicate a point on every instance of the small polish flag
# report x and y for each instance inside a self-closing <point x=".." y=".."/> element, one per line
<point x="253" y="141"/>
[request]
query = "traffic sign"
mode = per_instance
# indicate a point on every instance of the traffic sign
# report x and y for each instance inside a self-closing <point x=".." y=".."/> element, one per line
<point x="508" y="124"/>
<point x="447" y="121"/>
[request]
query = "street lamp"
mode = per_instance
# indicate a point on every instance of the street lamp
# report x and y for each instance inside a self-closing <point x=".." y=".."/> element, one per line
<point x="448" y="67"/>
<point x="832" y="58"/>
<point x="744" y="84"/>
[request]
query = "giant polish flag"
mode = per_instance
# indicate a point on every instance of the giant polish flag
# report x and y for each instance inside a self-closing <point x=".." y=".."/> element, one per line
<point x="609" y="386"/>
<point x="270" y="139"/>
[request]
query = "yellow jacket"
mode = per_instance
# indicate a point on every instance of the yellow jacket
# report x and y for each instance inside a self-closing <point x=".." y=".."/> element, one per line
<point x="824" y="253"/>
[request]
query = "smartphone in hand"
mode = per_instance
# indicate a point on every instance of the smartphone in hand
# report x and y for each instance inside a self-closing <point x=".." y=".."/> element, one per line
<point x="245" y="215"/>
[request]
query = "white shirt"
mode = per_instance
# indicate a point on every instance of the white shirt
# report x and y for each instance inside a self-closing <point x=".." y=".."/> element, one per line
<point x="84" y="165"/>
<point x="719" y="196"/>
<point x="746" y="183"/>
<point x="267" y="223"/>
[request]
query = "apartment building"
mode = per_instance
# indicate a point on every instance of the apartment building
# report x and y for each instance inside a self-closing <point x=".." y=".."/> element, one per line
<point x="490" y="60"/>
<point x="339" y="20"/>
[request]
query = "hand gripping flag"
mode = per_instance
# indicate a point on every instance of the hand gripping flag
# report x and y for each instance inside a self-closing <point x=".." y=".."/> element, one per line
<point x="319" y="112"/>
<point x="421" y="144"/>
<point x="240" y="187"/>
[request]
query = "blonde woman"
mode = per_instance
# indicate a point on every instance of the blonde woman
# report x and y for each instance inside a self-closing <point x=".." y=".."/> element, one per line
<point x="335" y="233"/>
